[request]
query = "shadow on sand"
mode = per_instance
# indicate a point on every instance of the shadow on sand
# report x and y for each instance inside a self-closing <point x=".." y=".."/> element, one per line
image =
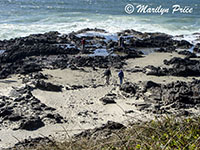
<point x="7" y="81"/>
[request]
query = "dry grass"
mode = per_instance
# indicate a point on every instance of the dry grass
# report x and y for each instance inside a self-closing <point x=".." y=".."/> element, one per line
<point x="167" y="133"/>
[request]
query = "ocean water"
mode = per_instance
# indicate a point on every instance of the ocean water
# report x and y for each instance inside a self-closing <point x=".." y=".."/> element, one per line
<point x="24" y="17"/>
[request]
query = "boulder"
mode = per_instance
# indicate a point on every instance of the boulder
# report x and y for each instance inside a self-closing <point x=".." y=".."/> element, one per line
<point x="31" y="124"/>
<point x="107" y="100"/>
<point x="129" y="87"/>
<point x="47" y="86"/>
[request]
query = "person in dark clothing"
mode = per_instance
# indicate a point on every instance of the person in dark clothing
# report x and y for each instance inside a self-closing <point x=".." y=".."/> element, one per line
<point x="83" y="44"/>
<point x="107" y="74"/>
<point x="121" y="76"/>
<point x="121" y="42"/>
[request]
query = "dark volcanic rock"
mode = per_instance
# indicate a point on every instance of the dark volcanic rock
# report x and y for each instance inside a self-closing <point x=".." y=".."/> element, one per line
<point x="76" y="87"/>
<point x="97" y="61"/>
<point x="30" y="143"/>
<point x="2" y="104"/>
<point x="150" y="84"/>
<point x="52" y="50"/>
<point x="180" y="61"/>
<point x="129" y="88"/>
<point x="39" y="76"/>
<point x="166" y="49"/>
<point x="181" y="92"/>
<point x="24" y="111"/>
<point x="179" y="67"/>
<point x="104" y="131"/>
<point x="23" y="54"/>
<point x="34" y="45"/>
<point x="183" y="44"/>
<point x="107" y="100"/>
<point x="142" y="106"/>
<point x="188" y="54"/>
<point x="5" y="112"/>
<point x="154" y="40"/>
<point x="15" y="117"/>
<point x="48" y="86"/>
<point x="183" y="67"/>
<point x="29" y="68"/>
<point x="32" y="124"/>
<point x="128" y="53"/>
<point x="157" y="71"/>
<point x="160" y="98"/>
<point x="197" y="47"/>
<point x="56" y="117"/>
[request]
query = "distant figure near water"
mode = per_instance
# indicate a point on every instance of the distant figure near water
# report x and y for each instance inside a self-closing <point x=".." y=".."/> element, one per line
<point x="121" y="42"/>
<point x="83" y="44"/>
<point x="107" y="74"/>
<point x="121" y="76"/>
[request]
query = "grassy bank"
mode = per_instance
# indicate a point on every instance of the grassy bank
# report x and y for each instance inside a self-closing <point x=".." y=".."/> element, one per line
<point x="168" y="133"/>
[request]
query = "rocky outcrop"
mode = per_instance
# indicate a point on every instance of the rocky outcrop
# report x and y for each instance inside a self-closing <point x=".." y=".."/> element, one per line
<point x="53" y="50"/>
<point x="183" y="67"/>
<point x="34" y="45"/>
<point x="170" y="98"/>
<point x="159" y="40"/>
<point x="179" y="95"/>
<point x="24" y="111"/>
<point x="97" y="61"/>
<point x="177" y="67"/>
<point x="29" y="68"/>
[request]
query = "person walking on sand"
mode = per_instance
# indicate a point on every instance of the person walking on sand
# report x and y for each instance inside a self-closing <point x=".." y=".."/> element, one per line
<point x="107" y="74"/>
<point x="121" y="76"/>
<point x="83" y="44"/>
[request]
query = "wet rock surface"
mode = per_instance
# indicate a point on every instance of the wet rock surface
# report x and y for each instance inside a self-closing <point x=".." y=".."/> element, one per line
<point x="160" y="40"/>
